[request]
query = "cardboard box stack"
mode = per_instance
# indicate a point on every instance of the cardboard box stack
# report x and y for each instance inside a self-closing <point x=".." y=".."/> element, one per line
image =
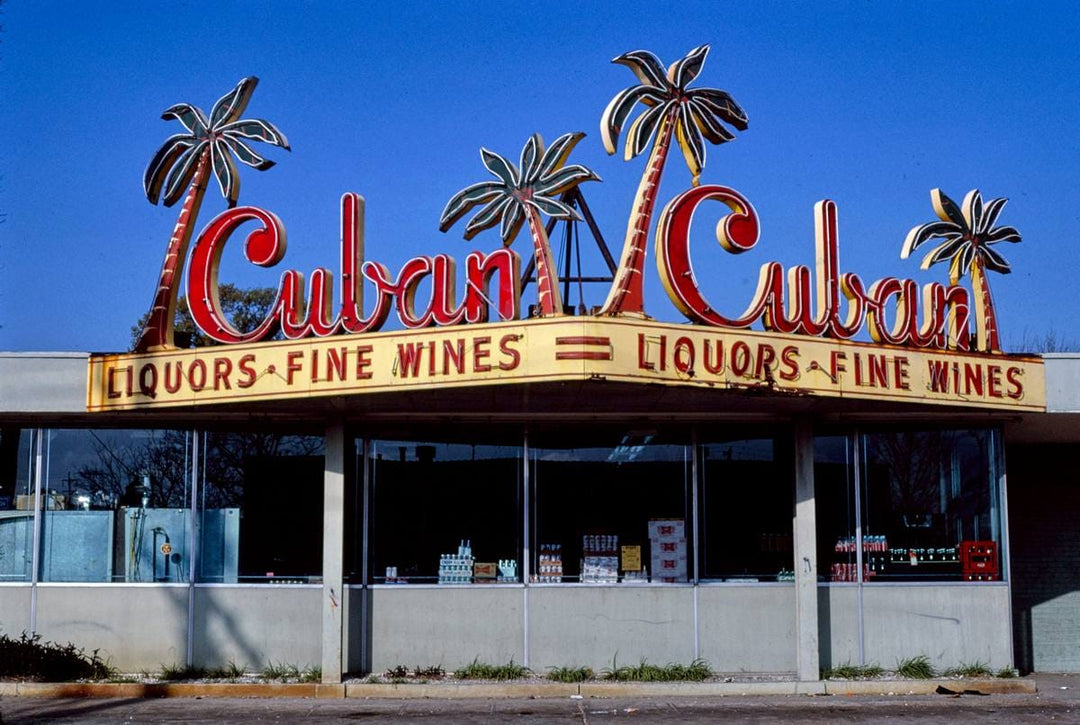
<point x="600" y="562"/>
<point x="667" y="540"/>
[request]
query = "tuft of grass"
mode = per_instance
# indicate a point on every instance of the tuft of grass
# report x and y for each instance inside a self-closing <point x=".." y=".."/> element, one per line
<point x="399" y="672"/>
<point x="431" y="672"/>
<point x="696" y="671"/>
<point x="282" y="671"/>
<point x="571" y="674"/>
<point x="231" y="671"/>
<point x="311" y="674"/>
<point x="915" y="668"/>
<point x="178" y="672"/>
<point x="1006" y="672"/>
<point x="848" y="671"/>
<point x="972" y="669"/>
<point x="477" y="670"/>
<point x="28" y="658"/>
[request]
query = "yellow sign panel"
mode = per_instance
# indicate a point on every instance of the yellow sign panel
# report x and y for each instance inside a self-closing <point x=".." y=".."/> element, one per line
<point x="631" y="558"/>
<point x="562" y="349"/>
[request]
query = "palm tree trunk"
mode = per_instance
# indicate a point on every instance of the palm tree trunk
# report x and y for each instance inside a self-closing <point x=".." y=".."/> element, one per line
<point x="627" y="296"/>
<point x="547" y="284"/>
<point x="986" y="333"/>
<point x="157" y="332"/>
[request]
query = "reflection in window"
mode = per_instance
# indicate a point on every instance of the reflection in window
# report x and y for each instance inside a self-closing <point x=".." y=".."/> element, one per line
<point x="261" y="508"/>
<point x="16" y="504"/>
<point x="746" y="512"/>
<point x="115" y="505"/>
<point x="445" y="512"/>
<point x="615" y="508"/>
<point x="931" y="498"/>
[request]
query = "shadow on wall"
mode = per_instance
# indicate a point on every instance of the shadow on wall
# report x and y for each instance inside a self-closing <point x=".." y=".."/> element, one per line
<point x="1044" y="536"/>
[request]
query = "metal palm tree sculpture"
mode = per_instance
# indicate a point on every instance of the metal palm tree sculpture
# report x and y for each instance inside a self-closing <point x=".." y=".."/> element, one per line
<point x="968" y="232"/>
<point x="521" y="195"/>
<point x="691" y="116"/>
<point x="185" y="161"/>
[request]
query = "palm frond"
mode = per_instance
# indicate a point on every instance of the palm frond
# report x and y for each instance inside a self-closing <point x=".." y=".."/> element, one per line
<point x="994" y="260"/>
<point x="946" y="208"/>
<point x="182" y="172"/>
<point x="1002" y="234"/>
<point x="973" y="210"/>
<point x="530" y="157"/>
<point x="706" y="122"/>
<point x="642" y="130"/>
<point x="229" y="107"/>
<point x="557" y="154"/>
<point x="556" y="183"/>
<point x="511" y="223"/>
<point x="722" y="105"/>
<point x="689" y="140"/>
<point x="554" y="208"/>
<point x="258" y="129"/>
<point x="500" y="167"/>
<point x="990" y="215"/>
<point x="225" y="172"/>
<point x="488" y="216"/>
<point x="461" y="202"/>
<point x="245" y="154"/>
<point x="685" y="70"/>
<point x="192" y="118"/>
<point x="924" y="232"/>
<point x="166" y="156"/>
<point x="646" y="66"/>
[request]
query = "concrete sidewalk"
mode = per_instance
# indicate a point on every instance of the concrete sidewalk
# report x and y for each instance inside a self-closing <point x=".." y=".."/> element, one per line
<point x="457" y="690"/>
<point x="1053" y="697"/>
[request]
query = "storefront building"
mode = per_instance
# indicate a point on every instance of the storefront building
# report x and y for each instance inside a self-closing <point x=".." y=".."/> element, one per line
<point x="552" y="488"/>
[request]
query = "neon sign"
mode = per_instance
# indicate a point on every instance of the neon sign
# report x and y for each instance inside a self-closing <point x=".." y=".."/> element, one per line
<point x="822" y="301"/>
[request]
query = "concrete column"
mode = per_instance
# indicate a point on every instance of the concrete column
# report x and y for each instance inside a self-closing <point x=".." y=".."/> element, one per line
<point x="806" y="568"/>
<point x="333" y="553"/>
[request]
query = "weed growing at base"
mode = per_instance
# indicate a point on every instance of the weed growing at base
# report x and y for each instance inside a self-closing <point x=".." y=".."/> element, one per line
<point x="571" y="674"/>
<point x="915" y="668"/>
<point x="28" y="658"/>
<point x="696" y="671"/>
<point x="482" y="671"/>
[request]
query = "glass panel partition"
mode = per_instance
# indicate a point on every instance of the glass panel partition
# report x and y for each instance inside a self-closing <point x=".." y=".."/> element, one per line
<point x="116" y="505"/>
<point x="16" y="504"/>
<point x="261" y="508"/>
<point x="834" y="494"/>
<point x="445" y="512"/>
<point x="932" y="499"/>
<point x="611" y="508"/>
<point x="747" y="504"/>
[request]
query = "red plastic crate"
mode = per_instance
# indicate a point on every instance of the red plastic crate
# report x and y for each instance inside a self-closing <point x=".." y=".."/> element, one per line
<point x="979" y="560"/>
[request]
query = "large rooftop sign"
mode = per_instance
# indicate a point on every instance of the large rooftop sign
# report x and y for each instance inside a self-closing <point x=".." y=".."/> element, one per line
<point x="932" y="343"/>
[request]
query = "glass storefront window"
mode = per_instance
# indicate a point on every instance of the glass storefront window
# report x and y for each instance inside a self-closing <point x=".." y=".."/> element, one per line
<point x="611" y="508"/>
<point x="261" y="508"/>
<point x="834" y="495"/>
<point x="747" y="500"/>
<point x="116" y="505"/>
<point x="16" y="504"/>
<point x="445" y="512"/>
<point x="931" y="499"/>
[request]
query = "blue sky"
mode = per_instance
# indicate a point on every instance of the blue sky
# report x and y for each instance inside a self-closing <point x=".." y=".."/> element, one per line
<point x="869" y="104"/>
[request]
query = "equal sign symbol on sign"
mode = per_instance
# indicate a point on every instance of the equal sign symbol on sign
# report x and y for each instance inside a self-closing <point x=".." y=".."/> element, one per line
<point x="583" y="348"/>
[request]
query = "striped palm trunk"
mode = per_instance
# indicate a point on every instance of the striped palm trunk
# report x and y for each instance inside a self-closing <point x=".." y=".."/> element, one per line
<point x="157" y="333"/>
<point x="986" y="332"/>
<point x="547" y="284"/>
<point x="627" y="295"/>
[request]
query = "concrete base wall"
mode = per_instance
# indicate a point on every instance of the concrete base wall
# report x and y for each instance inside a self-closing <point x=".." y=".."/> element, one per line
<point x="134" y="627"/>
<point x="838" y="625"/>
<point x="14" y="609"/>
<point x="747" y="629"/>
<point x="450" y="626"/>
<point x="950" y="624"/>
<point x="253" y="626"/>
<point x="589" y="625"/>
